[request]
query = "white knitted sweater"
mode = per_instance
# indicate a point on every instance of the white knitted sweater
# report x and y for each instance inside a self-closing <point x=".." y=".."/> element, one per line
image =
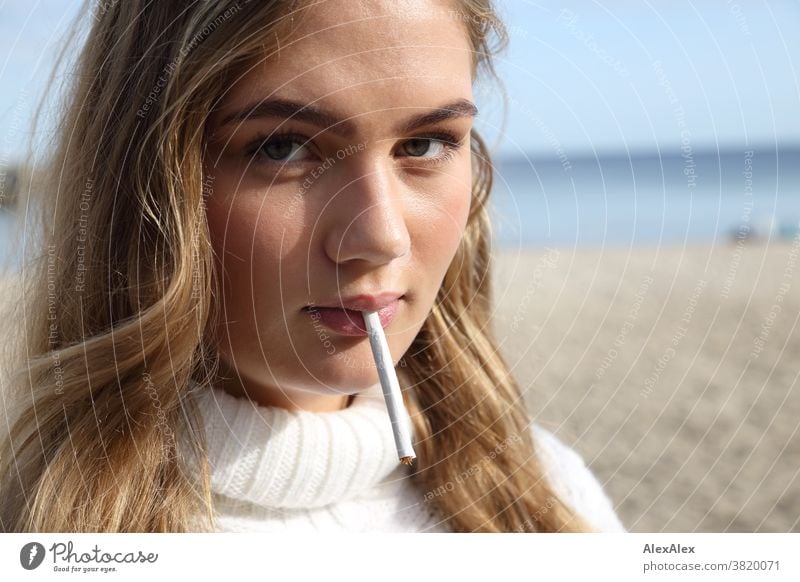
<point x="279" y="470"/>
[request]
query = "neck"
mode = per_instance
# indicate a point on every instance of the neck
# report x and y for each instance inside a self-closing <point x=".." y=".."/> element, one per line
<point x="287" y="399"/>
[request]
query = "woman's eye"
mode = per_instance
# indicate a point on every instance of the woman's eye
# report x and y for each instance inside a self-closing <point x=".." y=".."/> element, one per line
<point x="282" y="149"/>
<point x="419" y="147"/>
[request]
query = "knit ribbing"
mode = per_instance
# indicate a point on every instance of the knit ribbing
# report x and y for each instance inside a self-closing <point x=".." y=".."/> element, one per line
<point x="278" y="458"/>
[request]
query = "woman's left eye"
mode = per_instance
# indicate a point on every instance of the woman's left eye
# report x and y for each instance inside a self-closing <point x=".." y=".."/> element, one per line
<point x="419" y="147"/>
<point x="429" y="148"/>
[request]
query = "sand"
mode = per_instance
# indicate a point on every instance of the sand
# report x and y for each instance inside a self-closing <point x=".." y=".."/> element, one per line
<point x="672" y="371"/>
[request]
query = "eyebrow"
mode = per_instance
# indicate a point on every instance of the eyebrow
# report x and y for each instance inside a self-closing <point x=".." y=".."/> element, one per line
<point x="288" y="109"/>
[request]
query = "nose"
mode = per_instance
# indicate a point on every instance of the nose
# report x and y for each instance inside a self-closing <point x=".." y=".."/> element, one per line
<point x="369" y="221"/>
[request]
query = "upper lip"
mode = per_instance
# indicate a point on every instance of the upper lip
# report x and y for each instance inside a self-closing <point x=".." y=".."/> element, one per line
<point x="362" y="302"/>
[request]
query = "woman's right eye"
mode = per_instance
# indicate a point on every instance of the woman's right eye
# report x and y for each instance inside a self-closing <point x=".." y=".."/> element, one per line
<point x="280" y="148"/>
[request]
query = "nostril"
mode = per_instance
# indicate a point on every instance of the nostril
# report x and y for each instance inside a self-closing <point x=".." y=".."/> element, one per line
<point x="377" y="248"/>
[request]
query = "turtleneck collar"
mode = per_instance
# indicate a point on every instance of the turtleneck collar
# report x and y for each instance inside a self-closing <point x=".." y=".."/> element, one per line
<point x="278" y="458"/>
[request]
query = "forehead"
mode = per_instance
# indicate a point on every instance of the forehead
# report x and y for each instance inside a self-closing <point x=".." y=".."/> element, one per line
<point x="375" y="54"/>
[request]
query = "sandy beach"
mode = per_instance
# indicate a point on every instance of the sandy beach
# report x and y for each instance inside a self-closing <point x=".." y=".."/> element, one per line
<point x="672" y="371"/>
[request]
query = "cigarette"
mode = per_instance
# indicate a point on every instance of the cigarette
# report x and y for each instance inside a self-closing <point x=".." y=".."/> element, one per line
<point x="401" y="422"/>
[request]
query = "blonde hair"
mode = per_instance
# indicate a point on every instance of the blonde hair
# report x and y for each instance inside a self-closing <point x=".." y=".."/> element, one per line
<point x="119" y="309"/>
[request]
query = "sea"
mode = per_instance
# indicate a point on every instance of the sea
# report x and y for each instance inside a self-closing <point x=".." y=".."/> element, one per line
<point x="647" y="199"/>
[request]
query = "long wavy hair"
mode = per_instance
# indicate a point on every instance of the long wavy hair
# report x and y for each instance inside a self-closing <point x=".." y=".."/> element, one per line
<point x="118" y="306"/>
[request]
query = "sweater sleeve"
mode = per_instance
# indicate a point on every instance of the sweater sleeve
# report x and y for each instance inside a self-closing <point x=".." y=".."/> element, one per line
<point x="575" y="482"/>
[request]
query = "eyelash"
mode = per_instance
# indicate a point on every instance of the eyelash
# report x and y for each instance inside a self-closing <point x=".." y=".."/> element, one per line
<point x="449" y="142"/>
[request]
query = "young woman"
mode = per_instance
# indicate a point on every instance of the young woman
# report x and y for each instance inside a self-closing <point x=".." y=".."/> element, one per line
<point x="226" y="178"/>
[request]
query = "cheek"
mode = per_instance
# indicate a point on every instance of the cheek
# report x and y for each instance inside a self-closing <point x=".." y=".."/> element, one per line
<point x="230" y="237"/>
<point x="231" y="228"/>
<point x="458" y="197"/>
<point x="446" y="213"/>
<point x="453" y="222"/>
<point x="460" y="205"/>
<point x="238" y="209"/>
<point x="249" y="228"/>
<point x="245" y="252"/>
<point x="260" y="255"/>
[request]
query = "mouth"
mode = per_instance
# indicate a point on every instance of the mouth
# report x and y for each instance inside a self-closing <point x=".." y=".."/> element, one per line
<point x="350" y="322"/>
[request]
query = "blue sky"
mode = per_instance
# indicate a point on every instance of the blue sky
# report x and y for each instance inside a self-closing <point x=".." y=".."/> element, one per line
<point x="611" y="75"/>
<point x="581" y="76"/>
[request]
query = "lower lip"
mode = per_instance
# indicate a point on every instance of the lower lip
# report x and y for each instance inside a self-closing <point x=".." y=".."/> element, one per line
<point x="349" y="322"/>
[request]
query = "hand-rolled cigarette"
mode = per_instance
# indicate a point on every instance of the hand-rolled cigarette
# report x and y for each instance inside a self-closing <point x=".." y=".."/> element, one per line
<point x="401" y="423"/>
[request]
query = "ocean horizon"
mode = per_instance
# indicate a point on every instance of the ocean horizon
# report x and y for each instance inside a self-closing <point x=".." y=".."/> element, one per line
<point x="646" y="199"/>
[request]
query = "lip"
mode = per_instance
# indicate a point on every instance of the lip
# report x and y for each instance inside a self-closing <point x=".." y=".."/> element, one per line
<point x="362" y="302"/>
<point x="345" y="316"/>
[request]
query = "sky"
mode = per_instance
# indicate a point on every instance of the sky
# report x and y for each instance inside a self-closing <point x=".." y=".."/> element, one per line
<point x="580" y="77"/>
<point x="628" y="75"/>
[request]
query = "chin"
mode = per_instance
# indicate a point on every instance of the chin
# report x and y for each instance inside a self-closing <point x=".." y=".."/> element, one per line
<point x="338" y="377"/>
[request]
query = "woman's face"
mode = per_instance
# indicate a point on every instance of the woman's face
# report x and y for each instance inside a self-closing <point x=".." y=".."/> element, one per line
<point x="338" y="167"/>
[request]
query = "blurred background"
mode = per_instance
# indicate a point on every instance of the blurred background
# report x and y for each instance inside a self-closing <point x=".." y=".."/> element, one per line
<point x="646" y="239"/>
